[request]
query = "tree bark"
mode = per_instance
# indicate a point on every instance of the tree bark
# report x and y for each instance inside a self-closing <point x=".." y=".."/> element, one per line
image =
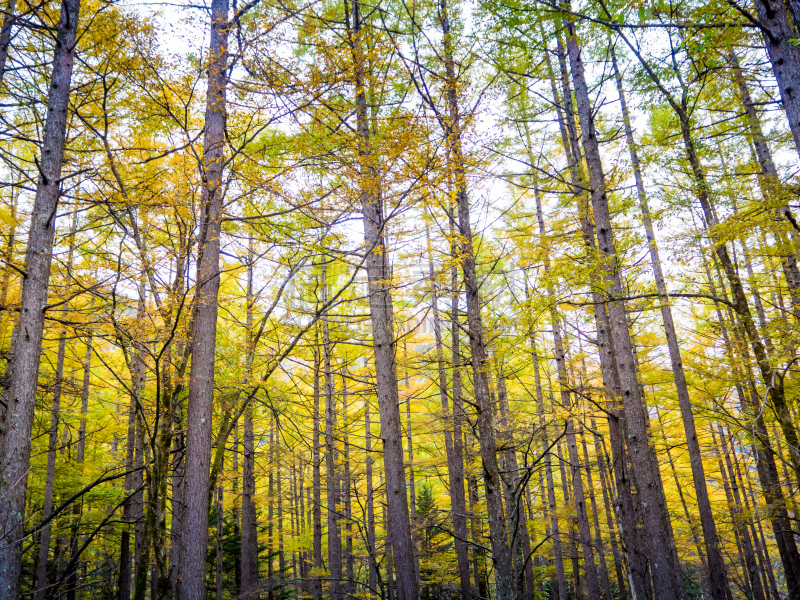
<point x="769" y="181"/>
<point x="316" y="463"/>
<point x="501" y="552"/>
<point x="765" y="464"/>
<point x="249" y="533"/>
<point x="654" y="513"/>
<point x="750" y="565"/>
<point x="514" y="494"/>
<point x="349" y="558"/>
<point x="627" y="506"/>
<point x="22" y="368"/>
<point x="382" y="318"/>
<point x="598" y="536"/>
<point x="718" y="583"/>
<point x="371" y="550"/>
<point x="5" y="36"/>
<point x="455" y="462"/>
<point x="555" y="532"/>
<point x="335" y="565"/>
<point x="776" y="27"/>
<point x="191" y="583"/>
<point x="602" y="468"/>
<point x="52" y="443"/>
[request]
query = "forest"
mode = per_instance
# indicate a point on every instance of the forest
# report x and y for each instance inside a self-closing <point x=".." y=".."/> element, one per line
<point x="400" y="299"/>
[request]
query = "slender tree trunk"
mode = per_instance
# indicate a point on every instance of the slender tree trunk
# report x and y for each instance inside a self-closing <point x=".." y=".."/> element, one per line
<point x="235" y="515"/>
<point x="249" y="539"/>
<point x="555" y="532"/>
<point x="371" y="550"/>
<point x="382" y="318"/>
<point x="478" y="554"/>
<point x="331" y="467"/>
<point x="628" y="509"/>
<point x="220" y="577"/>
<point x="87" y="372"/>
<point x="412" y="490"/>
<point x="191" y="583"/>
<point x="316" y="462"/>
<point x="501" y="552"/>
<point x="52" y="443"/>
<point x="577" y="581"/>
<point x="177" y="501"/>
<point x="515" y="491"/>
<point x="271" y="512"/>
<point x="718" y="583"/>
<point x="653" y="511"/>
<point x="765" y="465"/>
<point x="763" y="549"/>
<point x="22" y="368"/>
<point x="279" y="492"/>
<point x="602" y="468"/>
<point x="566" y="402"/>
<point x="455" y="464"/>
<point x="130" y="510"/>
<point x="750" y="565"/>
<point x="346" y="501"/>
<point x="598" y="536"/>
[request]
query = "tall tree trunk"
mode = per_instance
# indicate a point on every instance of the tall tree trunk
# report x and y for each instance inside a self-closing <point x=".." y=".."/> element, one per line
<point x="220" y="536"/>
<point x="22" y="368"/>
<point x="628" y="509"/>
<point x="598" y="536"/>
<point x="765" y="464"/>
<point x="279" y="492"/>
<point x="654" y="513"/>
<point x="271" y="512"/>
<point x="555" y="531"/>
<point x="566" y="402"/>
<point x="577" y="581"/>
<point x="52" y="443"/>
<point x="412" y="490"/>
<point x="501" y="552"/>
<point x="87" y="372"/>
<point x="331" y="469"/>
<point x="718" y="583"/>
<point x="316" y="478"/>
<point x="191" y="583"/>
<point x="235" y="514"/>
<point x="130" y="509"/>
<point x="478" y="554"/>
<point x="345" y="491"/>
<point x="455" y="462"/>
<point x="515" y="498"/>
<point x="750" y="565"/>
<point x="602" y="468"/>
<point x="382" y="318"/>
<point x="763" y="549"/>
<point x="769" y="181"/>
<point x="249" y="539"/>
<point x="371" y="550"/>
<point x="249" y="524"/>
<point x="177" y="501"/>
